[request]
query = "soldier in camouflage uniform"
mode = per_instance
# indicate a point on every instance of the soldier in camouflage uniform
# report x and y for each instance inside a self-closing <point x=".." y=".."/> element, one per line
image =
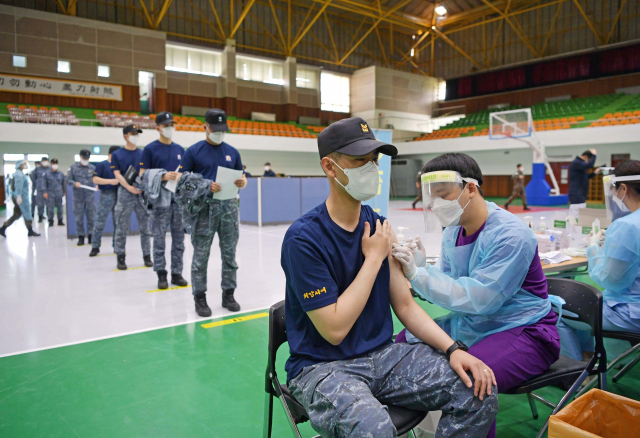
<point x="165" y="154"/>
<point x="84" y="201"/>
<point x="32" y="176"/>
<point x="41" y="184"/>
<point x="129" y="198"/>
<point x="108" y="185"/>
<point x="221" y="216"/>
<point x="54" y="191"/>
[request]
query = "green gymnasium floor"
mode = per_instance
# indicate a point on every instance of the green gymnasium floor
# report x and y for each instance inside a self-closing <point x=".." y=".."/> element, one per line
<point x="184" y="381"/>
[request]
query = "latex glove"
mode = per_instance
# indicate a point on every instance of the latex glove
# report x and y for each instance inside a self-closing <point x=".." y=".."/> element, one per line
<point x="420" y="254"/>
<point x="19" y="199"/>
<point x="405" y="256"/>
<point x="595" y="239"/>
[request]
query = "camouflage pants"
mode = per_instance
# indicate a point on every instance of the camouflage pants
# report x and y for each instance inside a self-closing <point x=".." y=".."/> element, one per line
<point x="347" y="398"/>
<point x="41" y="203"/>
<point x="221" y="218"/>
<point x="127" y="203"/>
<point x="84" y="206"/>
<point x="106" y="205"/>
<point x="54" y="201"/>
<point x="160" y="219"/>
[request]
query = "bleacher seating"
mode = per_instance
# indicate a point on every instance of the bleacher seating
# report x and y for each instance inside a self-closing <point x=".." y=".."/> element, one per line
<point x="271" y="128"/>
<point x="121" y="119"/>
<point x="33" y="114"/>
<point x="586" y="112"/>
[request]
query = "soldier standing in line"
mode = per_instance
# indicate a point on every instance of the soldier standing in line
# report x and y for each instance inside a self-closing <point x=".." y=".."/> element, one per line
<point x="165" y="154"/>
<point x="518" y="188"/>
<point x="84" y="203"/>
<point x="220" y="217"/>
<point x="41" y="185"/>
<point x="129" y="198"/>
<point x="54" y="191"/>
<point x="32" y="176"/>
<point x="107" y="184"/>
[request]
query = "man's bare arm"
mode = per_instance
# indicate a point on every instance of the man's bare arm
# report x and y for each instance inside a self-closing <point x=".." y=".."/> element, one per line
<point x="334" y="322"/>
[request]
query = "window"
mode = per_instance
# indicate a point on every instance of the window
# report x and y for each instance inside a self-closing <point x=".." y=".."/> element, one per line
<point x="334" y="93"/>
<point x="64" y="67"/>
<point x="19" y="61"/>
<point x="306" y="78"/>
<point x="259" y="70"/>
<point x="442" y="90"/>
<point x="104" y="71"/>
<point x="192" y="60"/>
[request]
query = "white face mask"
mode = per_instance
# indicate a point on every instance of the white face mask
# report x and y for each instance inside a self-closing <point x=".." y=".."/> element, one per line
<point x="83" y="162"/>
<point x="45" y="164"/>
<point x="54" y="167"/>
<point x="364" y="181"/>
<point x="133" y="140"/>
<point x="623" y="208"/>
<point x="267" y="168"/>
<point x="168" y="131"/>
<point x="216" y="137"/>
<point x="448" y="212"/>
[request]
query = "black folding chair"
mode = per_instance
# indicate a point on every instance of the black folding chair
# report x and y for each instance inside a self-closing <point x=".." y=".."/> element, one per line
<point x="586" y="302"/>
<point x="403" y="419"/>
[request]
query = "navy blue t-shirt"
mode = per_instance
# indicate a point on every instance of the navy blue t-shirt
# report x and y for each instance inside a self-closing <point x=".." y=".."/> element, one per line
<point x="157" y="155"/>
<point x="204" y="158"/>
<point x="320" y="261"/>
<point x="103" y="170"/>
<point x="123" y="158"/>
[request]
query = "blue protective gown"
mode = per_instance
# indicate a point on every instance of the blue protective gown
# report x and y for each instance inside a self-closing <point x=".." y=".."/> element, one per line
<point x="21" y="185"/>
<point x="481" y="284"/>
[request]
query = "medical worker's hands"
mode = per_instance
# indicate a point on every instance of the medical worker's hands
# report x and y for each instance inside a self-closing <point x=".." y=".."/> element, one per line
<point x="596" y="238"/>
<point x="404" y="255"/>
<point x="419" y="253"/>
<point x="462" y="362"/>
<point x="378" y="245"/>
<point x="19" y="199"/>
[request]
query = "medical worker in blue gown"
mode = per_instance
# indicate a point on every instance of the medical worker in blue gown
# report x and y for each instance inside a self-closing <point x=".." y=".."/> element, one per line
<point x="616" y="267"/>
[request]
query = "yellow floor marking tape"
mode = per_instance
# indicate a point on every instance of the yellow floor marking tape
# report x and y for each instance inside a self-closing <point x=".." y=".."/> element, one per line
<point x="234" y="320"/>
<point x="130" y="269"/>
<point x="104" y="255"/>
<point x="169" y="288"/>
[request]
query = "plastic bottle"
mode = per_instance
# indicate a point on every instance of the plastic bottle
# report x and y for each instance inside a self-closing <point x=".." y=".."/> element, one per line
<point x="543" y="225"/>
<point x="595" y="226"/>
<point x="400" y="235"/>
<point x="529" y="221"/>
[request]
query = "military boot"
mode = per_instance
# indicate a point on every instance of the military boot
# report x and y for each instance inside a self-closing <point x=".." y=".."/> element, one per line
<point x="178" y="280"/>
<point x="162" y="280"/>
<point x="147" y="261"/>
<point x="80" y="240"/>
<point x="32" y="233"/>
<point x="202" y="309"/>
<point x="94" y="252"/>
<point x="40" y="220"/>
<point x="62" y="223"/>
<point x="2" y="230"/>
<point x="229" y="302"/>
<point x="50" y="222"/>
<point x="121" y="264"/>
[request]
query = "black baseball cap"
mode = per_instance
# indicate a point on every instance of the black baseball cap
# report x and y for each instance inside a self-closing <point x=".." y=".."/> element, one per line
<point x="112" y="149"/>
<point x="85" y="153"/>
<point x="54" y="161"/>
<point x="216" y="119"/>
<point x="131" y="128"/>
<point x="351" y="137"/>
<point x="164" y="118"/>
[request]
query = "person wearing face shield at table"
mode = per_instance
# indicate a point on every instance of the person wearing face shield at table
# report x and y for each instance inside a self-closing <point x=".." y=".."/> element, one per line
<point x="129" y="198"/>
<point x="616" y="266"/>
<point x="19" y="189"/>
<point x="221" y="216"/>
<point x="84" y="201"/>
<point x="165" y="154"/>
<point x="489" y="275"/>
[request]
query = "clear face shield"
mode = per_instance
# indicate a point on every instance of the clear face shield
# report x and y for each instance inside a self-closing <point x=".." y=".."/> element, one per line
<point x="441" y="192"/>
<point x="615" y="207"/>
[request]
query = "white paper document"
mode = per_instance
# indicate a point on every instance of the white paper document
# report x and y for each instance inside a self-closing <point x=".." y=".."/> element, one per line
<point x="171" y="185"/>
<point x="226" y="178"/>
<point x="554" y="257"/>
<point x="94" y="189"/>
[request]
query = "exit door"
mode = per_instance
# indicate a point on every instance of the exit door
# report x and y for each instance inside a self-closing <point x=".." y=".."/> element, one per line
<point x="146" y="84"/>
<point x="561" y="172"/>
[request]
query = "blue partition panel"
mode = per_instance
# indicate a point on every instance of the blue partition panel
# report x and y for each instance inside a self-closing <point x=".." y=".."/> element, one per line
<point x="249" y="202"/>
<point x="314" y="191"/>
<point x="280" y="200"/>
<point x="108" y="229"/>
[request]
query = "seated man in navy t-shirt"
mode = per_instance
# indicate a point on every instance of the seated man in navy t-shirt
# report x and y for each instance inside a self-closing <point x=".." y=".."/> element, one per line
<point x="341" y="282"/>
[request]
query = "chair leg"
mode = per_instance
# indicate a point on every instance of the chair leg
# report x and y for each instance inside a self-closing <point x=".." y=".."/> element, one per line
<point x="268" y="416"/>
<point x="287" y="412"/>
<point x="532" y="404"/>
<point x="626" y="368"/>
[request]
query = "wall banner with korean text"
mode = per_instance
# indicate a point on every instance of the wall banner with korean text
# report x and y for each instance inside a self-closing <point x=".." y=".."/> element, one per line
<point x="59" y="87"/>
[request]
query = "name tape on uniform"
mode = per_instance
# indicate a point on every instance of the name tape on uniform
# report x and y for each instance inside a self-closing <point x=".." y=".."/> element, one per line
<point x="235" y="320"/>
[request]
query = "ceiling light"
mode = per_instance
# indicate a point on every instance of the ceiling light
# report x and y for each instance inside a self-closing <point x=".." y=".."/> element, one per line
<point x="412" y="52"/>
<point x="441" y="10"/>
